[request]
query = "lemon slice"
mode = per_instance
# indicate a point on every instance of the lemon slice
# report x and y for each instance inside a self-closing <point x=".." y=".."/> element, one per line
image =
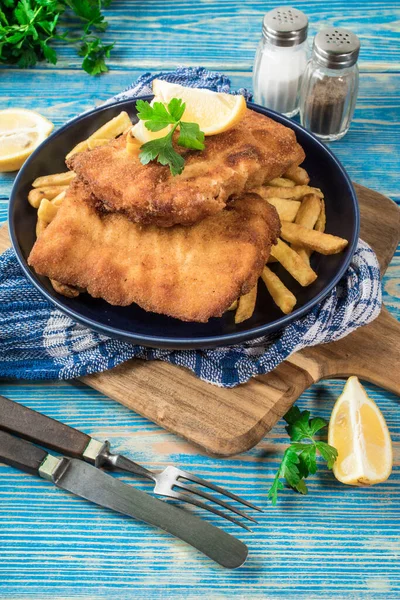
<point x="214" y="112"/>
<point x="21" y="131"/>
<point x="140" y="132"/>
<point x="143" y="135"/>
<point x="358" y="431"/>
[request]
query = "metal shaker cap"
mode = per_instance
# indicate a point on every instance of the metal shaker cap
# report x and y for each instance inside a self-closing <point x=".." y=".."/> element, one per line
<point x="285" y="26"/>
<point x="336" y="48"/>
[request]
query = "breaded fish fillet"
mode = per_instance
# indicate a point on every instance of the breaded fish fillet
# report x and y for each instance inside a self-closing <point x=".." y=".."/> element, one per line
<point x="190" y="273"/>
<point x="252" y="153"/>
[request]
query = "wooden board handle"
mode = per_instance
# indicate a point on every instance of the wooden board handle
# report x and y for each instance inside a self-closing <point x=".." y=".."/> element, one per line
<point x="371" y="352"/>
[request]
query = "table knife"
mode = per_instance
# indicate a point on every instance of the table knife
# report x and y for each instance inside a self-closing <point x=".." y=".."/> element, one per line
<point x="86" y="481"/>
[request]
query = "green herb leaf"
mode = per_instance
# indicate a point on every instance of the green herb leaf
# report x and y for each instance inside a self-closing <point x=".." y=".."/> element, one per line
<point x="49" y="53"/>
<point x="157" y="117"/>
<point x="27" y="27"/>
<point x="300" y="458"/>
<point x="329" y="453"/>
<point x="94" y="54"/>
<point x="176" y="109"/>
<point x="309" y="457"/>
<point x="301" y="487"/>
<point x="162" y="150"/>
<point x="275" y="487"/>
<point x="190" y="136"/>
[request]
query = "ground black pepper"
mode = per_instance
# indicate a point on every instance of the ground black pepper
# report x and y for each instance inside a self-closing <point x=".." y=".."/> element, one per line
<point x="325" y="107"/>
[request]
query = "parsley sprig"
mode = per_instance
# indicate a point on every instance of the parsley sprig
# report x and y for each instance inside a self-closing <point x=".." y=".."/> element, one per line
<point x="300" y="459"/>
<point x="158" y="117"/>
<point x="28" y="28"/>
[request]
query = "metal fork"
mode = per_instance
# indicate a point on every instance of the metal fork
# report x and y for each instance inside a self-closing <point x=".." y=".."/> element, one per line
<point x="171" y="477"/>
<point x="171" y="482"/>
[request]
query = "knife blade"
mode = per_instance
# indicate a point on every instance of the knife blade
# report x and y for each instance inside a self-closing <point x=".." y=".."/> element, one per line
<point x="86" y="481"/>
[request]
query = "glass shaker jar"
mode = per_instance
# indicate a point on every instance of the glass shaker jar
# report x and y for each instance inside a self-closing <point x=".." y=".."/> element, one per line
<point x="330" y="84"/>
<point x="281" y="60"/>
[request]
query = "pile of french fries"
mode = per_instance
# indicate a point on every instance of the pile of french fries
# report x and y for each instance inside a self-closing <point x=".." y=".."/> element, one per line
<point x="301" y="210"/>
<point x="48" y="192"/>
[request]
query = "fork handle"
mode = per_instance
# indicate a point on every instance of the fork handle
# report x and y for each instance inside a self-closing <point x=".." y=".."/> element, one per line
<point x="36" y="427"/>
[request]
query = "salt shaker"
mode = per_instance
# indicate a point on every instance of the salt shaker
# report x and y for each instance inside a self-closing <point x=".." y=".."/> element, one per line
<point x="281" y="60"/>
<point x="330" y="84"/>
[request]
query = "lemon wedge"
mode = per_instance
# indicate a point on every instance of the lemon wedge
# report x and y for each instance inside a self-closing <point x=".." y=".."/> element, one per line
<point x="21" y="131"/>
<point x="358" y="430"/>
<point x="143" y="135"/>
<point x="214" y="112"/>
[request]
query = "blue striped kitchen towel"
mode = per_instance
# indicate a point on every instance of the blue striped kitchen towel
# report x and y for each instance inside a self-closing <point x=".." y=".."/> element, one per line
<point x="39" y="342"/>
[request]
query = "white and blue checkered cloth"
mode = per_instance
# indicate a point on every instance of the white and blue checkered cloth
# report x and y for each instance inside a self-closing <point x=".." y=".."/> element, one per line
<point x="39" y="342"/>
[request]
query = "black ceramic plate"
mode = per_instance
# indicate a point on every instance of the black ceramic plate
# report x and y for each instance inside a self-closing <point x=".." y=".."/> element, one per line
<point x="138" y="326"/>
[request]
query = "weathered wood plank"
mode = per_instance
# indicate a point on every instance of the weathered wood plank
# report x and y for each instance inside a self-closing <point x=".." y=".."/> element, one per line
<point x="319" y="546"/>
<point x="156" y="33"/>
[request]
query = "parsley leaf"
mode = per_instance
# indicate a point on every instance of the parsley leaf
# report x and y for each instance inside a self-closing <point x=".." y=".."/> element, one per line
<point x="162" y="150"/>
<point x="329" y="453"/>
<point x="190" y="136"/>
<point x="27" y="28"/>
<point x="155" y="117"/>
<point x="158" y="116"/>
<point x="300" y="458"/>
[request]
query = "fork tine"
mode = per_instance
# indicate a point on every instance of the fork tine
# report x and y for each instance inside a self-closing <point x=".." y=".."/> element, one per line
<point x="193" y="490"/>
<point x="215" y="511"/>
<point x="216" y="488"/>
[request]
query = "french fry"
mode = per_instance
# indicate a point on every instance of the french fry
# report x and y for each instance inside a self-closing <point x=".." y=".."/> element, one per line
<point x="55" y="179"/>
<point x="286" y="209"/>
<point x="298" y="175"/>
<point x="112" y="128"/>
<point x="278" y="290"/>
<point x="281" y="182"/>
<point x="294" y="193"/>
<point x="321" y="221"/>
<point x="36" y="196"/>
<point x="132" y="144"/>
<point x="64" y="290"/>
<point x="292" y="262"/>
<point x="96" y="142"/>
<point x="81" y="147"/>
<point x="246" y="305"/>
<point x="233" y="306"/>
<point x="324" y="243"/>
<point x="309" y="211"/>
<point x="40" y="227"/>
<point x="58" y="199"/>
<point x="108" y="131"/>
<point x="307" y="216"/>
<point x="272" y="259"/>
<point x="47" y="211"/>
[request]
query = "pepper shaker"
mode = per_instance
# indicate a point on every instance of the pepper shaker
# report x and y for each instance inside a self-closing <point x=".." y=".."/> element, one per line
<point x="281" y="59"/>
<point x="330" y="84"/>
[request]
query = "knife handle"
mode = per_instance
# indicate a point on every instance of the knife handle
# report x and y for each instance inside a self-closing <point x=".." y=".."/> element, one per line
<point x="36" y="427"/>
<point x="20" y="454"/>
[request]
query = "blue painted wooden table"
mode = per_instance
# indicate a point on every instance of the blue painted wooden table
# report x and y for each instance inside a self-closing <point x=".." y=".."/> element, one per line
<point x="338" y="542"/>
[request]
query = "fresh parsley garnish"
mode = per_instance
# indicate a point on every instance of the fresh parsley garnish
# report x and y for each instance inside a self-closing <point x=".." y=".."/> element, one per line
<point x="300" y="459"/>
<point x="158" y="117"/>
<point x="28" y="27"/>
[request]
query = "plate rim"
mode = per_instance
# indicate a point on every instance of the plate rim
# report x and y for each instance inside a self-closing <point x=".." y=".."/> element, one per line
<point x="159" y="341"/>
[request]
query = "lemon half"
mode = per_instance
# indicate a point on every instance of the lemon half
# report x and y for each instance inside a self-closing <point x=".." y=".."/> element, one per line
<point x="358" y="431"/>
<point x="21" y="131"/>
<point x="214" y="112"/>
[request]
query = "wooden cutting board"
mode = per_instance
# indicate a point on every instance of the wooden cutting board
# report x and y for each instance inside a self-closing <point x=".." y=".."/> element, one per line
<point x="229" y="421"/>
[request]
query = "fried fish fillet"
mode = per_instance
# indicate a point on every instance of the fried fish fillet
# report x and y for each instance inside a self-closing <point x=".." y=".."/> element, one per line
<point x="255" y="151"/>
<point x="190" y="273"/>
